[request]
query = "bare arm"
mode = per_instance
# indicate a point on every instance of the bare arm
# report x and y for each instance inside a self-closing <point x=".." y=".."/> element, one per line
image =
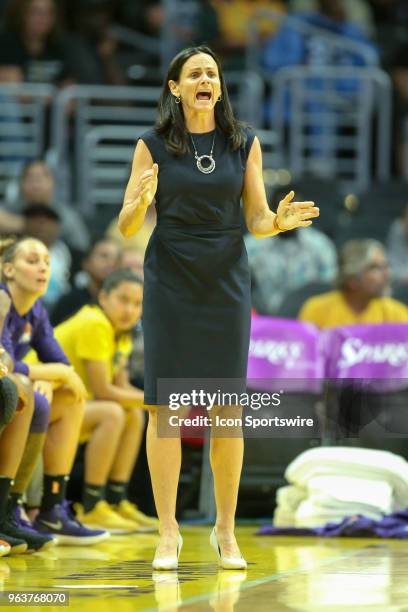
<point x="48" y="371"/>
<point x="103" y="389"/>
<point x="140" y="191"/>
<point x="10" y="222"/>
<point x="121" y="379"/>
<point x="260" y="220"/>
<point x="6" y="363"/>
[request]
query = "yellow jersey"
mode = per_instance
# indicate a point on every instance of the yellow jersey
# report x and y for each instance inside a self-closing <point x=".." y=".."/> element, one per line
<point x="90" y="336"/>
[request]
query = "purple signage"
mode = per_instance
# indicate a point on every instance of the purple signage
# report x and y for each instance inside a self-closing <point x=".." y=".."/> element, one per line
<point x="285" y="353"/>
<point x="369" y="352"/>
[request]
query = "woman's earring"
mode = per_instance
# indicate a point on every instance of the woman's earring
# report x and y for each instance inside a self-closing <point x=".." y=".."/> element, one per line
<point x="219" y="98"/>
<point x="177" y="99"/>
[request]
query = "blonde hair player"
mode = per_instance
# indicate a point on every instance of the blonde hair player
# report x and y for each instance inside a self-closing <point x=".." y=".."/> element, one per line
<point x="58" y="391"/>
<point x="196" y="164"/>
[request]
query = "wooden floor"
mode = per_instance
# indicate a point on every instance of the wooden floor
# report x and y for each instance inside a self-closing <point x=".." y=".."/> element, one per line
<point x="283" y="574"/>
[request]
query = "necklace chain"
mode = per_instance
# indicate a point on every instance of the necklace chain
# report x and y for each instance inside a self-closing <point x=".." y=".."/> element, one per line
<point x="211" y="166"/>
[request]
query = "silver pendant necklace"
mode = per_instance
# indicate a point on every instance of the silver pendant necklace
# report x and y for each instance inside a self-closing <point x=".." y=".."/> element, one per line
<point x="210" y="167"/>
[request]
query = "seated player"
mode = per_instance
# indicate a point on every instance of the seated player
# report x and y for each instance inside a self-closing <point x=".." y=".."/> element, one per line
<point x="59" y="394"/>
<point x="17" y="407"/>
<point x="97" y="341"/>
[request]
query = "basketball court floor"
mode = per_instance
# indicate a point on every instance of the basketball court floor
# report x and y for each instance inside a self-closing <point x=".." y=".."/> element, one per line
<point x="335" y="575"/>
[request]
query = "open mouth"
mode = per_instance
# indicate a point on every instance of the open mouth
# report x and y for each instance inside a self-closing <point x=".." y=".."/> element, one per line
<point x="203" y="95"/>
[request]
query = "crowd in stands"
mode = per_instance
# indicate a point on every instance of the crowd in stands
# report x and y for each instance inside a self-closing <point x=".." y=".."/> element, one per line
<point x="87" y="284"/>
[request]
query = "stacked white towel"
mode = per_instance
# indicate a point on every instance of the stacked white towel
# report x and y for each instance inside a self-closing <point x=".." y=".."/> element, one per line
<point x="288" y="500"/>
<point x="331" y="483"/>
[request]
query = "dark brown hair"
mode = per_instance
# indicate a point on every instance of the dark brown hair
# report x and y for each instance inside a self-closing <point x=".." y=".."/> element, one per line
<point x="117" y="277"/>
<point x="170" y="122"/>
<point x="16" y="14"/>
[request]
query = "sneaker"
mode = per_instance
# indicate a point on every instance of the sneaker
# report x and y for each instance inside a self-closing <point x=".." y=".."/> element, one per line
<point x="130" y="511"/>
<point x="103" y="516"/>
<point x="20" y="528"/>
<point x="17" y="545"/>
<point x="5" y="548"/>
<point x="60" y="521"/>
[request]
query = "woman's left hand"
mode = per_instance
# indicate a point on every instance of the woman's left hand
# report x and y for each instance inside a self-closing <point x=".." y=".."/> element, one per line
<point x="295" y="214"/>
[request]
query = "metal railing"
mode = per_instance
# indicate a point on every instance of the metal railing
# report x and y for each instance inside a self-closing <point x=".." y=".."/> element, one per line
<point x="79" y="109"/>
<point x="106" y="162"/>
<point x="23" y="127"/>
<point x="328" y="120"/>
<point x="336" y="42"/>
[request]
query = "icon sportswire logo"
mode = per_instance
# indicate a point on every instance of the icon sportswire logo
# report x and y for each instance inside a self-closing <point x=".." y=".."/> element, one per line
<point x="286" y="353"/>
<point x="354" y="351"/>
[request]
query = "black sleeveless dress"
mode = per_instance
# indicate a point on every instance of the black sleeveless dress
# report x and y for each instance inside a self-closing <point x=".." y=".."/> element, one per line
<point x="197" y="299"/>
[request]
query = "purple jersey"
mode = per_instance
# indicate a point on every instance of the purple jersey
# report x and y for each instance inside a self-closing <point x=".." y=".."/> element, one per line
<point x="30" y="331"/>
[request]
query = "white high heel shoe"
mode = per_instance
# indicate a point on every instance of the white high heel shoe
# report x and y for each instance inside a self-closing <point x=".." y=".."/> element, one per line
<point x="226" y="562"/>
<point x="168" y="563"/>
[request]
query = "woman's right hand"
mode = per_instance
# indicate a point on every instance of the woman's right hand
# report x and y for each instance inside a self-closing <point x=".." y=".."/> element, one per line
<point x="146" y="188"/>
<point x="75" y="384"/>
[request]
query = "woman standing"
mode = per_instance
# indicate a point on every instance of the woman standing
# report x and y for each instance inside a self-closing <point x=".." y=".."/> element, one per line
<point x="196" y="305"/>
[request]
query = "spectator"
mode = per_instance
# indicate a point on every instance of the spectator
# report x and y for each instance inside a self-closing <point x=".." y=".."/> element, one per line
<point x="361" y="297"/>
<point x="278" y="265"/>
<point x="43" y="223"/>
<point x="145" y="16"/>
<point x="32" y="42"/>
<point x="196" y="20"/>
<point x="299" y="46"/>
<point x="358" y="12"/>
<point x="101" y="260"/>
<point x="186" y="23"/>
<point x="233" y="18"/>
<point x="295" y="47"/>
<point x="133" y="258"/>
<point x="37" y="186"/>
<point x="397" y="246"/>
<point x="94" y="51"/>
